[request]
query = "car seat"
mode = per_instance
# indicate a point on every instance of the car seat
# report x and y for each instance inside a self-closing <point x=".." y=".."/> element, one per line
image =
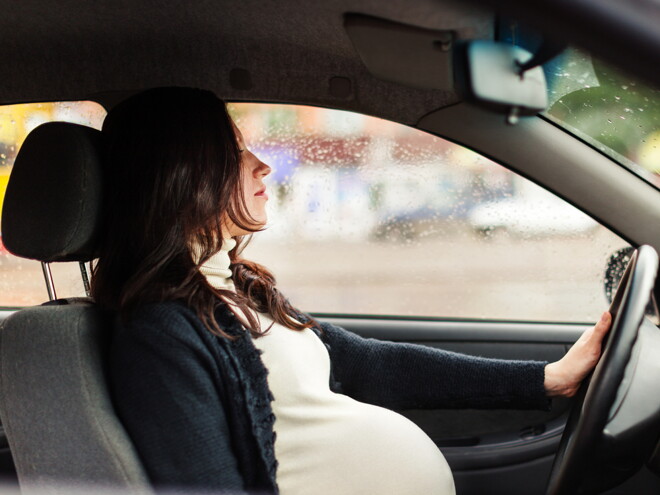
<point x="54" y="402"/>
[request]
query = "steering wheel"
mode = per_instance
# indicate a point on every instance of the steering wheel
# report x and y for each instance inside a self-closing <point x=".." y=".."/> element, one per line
<point x="601" y="394"/>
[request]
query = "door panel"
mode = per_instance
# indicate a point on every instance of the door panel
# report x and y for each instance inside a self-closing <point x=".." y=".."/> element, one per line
<point x="480" y="439"/>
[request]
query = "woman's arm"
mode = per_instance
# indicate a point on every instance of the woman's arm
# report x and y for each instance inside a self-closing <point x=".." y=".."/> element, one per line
<point x="164" y="385"/>
<point x="401" y="376"/>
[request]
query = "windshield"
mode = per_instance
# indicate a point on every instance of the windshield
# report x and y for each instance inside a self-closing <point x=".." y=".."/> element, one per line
<point x="612" y="111"/>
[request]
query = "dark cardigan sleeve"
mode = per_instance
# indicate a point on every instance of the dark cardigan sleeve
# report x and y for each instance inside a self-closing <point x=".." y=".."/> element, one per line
<point x="404" y="376"/>
<point x="163" y="381"/>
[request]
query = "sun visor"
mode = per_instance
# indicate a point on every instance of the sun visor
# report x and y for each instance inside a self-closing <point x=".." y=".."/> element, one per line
<point x="409" y="55"/>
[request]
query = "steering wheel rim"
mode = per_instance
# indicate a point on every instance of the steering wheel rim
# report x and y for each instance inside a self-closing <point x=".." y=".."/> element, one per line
<point x="593" y="403"/>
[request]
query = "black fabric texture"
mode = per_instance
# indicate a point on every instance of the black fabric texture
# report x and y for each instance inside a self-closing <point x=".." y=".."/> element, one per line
<point x="409" y="376"/>
<point x="190" y="408"/>
<point x="52" y="207"/>
<point x="197" y="406"/>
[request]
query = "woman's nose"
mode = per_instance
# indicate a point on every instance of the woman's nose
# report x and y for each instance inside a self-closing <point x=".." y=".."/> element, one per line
<point x="261" y="170"/>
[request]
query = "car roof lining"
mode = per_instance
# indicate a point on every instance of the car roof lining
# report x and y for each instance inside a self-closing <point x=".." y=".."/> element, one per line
<point x="290" y="51"/>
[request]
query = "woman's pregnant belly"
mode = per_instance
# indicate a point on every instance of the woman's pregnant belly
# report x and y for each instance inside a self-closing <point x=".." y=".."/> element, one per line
<point x="341" y="446"/>
<point x="328" y="443"/>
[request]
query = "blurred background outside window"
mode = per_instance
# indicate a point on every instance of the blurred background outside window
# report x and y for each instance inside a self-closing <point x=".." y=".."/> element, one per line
<point x="372" y="217"/>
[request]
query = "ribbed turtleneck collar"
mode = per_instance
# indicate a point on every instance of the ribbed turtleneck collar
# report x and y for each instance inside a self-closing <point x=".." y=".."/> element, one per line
<point x="216" y="269"/>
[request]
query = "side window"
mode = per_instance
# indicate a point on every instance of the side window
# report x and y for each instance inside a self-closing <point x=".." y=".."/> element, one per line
<point x="371" y="217"/>
<point x="21" y="281"/>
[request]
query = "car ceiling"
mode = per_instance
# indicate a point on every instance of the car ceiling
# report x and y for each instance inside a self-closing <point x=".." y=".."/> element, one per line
<point x="289" y="51"/>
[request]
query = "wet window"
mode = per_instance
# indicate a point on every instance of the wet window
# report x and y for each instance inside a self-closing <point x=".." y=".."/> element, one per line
<point x="21" y="281"/>
<point x="614" y="112"/>
<point x="371" y="217"/>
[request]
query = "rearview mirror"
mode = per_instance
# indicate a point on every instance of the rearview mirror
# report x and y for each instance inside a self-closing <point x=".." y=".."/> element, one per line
<point x="489" y="74"/>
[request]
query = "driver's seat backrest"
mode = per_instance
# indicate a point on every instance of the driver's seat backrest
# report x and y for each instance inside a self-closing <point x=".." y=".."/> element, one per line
<point x="54" y="402"/>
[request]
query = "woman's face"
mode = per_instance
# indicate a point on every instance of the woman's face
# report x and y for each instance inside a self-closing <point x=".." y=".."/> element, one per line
<point x="254" y="191"/>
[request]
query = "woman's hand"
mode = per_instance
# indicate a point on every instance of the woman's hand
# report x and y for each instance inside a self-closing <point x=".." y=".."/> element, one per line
<point x="563" y="377"/>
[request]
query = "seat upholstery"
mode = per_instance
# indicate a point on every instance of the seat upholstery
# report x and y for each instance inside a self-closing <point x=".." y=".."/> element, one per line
<point x="55" y="408"/>
<point x="54" y="402"/>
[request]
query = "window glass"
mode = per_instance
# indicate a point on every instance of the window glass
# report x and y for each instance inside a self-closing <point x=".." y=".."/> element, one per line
<point x="22" y="281"/>
<point x="371" y="217"/>
<point x="613" y="111"/>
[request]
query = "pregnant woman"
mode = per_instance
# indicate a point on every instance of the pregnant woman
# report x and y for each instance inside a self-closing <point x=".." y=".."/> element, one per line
<point x="220" y="381"/>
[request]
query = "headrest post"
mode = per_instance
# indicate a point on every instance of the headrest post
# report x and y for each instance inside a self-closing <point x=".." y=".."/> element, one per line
<point x="85" y="278"/>
<point x="49" y="280"/>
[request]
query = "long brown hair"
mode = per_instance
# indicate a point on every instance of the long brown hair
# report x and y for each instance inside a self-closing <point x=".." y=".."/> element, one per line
<point x="173" y="172"/>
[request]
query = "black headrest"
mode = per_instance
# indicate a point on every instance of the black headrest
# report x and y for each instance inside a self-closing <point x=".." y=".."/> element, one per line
<point x="52" y="207"/>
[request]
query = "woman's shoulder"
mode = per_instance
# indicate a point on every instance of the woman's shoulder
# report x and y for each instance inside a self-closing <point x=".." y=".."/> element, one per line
<point x="175" y="321"/>
<point x="160" y="312"/>
<point x="162" y="322"/>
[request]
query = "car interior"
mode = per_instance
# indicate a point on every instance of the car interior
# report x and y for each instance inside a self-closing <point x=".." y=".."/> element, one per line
<point x="418" y="64"/>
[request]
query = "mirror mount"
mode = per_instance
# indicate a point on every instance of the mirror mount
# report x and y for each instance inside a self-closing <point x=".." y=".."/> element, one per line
<point x="547" y="50"/>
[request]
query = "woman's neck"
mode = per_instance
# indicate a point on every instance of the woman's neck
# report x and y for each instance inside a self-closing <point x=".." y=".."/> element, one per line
<point x="216" y="268"/>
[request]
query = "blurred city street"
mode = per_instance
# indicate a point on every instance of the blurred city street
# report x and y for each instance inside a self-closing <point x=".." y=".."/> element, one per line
<point x="462" y="275"/>
<point x="553" y="279"/>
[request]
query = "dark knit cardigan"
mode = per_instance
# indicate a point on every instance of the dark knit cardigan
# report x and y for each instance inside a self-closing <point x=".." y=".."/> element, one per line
<point x="197" y="406"/>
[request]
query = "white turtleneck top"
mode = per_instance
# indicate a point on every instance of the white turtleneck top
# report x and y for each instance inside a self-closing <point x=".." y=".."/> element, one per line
<point x="327" y="443"/>
<point x="216" y="269"/>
